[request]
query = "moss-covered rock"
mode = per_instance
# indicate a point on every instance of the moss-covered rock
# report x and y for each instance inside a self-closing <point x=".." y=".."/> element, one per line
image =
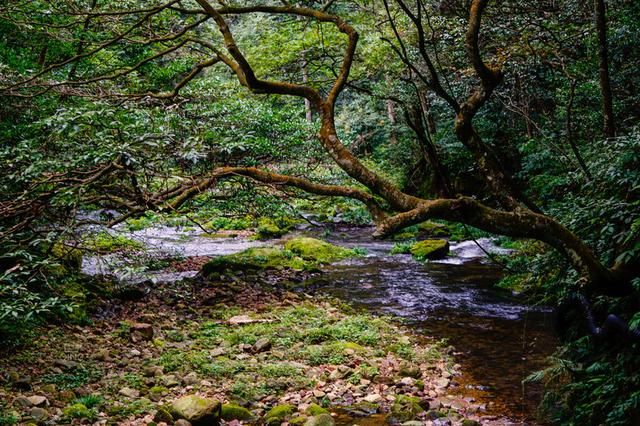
<point x="315" y="250"/>
<point x="230" y="412"/>
<point x="78" y="411"/>
<point x="196" y="410"/>
<point x="279" y="414"/>
<point x="320" y="420"/>
<point x="298" y="254"/>
<point x="268" y="228"/>
<point x="404" y="409"/>
<point x="255" y="259"/>
<point x="430" y="249"/>
<point x="315" y="409"/>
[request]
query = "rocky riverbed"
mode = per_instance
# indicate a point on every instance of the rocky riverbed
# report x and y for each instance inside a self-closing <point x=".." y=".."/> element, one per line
<point x="267" y="355"/>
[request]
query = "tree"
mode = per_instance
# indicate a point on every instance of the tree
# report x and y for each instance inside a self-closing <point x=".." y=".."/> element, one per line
<point x="161" y="30"/>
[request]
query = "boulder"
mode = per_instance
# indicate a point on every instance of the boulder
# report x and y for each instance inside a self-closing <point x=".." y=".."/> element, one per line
<point x="279" y="414"/>
<point x="141" y="331"/>
<point x="235" y="412"/>
<point x="430" y="249"/>
<point x="196" y="410"/>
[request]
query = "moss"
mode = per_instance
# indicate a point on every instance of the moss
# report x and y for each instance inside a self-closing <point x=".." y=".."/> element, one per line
<point x="70" y="259"/>
<point x="405" y="408"/>
<point x="315" y="409"/>
<point x="267" y="228"/>
<point x="317" y="250"/>
<point x="433" y="229"/>
<point x="235" y="412"/>
<point x="430" y="249"/>
<point x="79" y="411"/>
<point x="278" y="414"/>
<point x="104" y="242"/>
<point x="256" y="258"/>
<point x="298" y="421"/>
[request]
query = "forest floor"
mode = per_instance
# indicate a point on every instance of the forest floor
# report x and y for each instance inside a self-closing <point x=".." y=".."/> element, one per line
<point x="271" y="356"/>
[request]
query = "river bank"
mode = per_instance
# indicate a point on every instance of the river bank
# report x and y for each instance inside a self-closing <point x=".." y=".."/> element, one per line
<point x="280" y="338"/>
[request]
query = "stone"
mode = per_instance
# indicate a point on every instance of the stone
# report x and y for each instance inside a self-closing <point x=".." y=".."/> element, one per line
<point x="320" y="420"/>
<point x="196" y="410"/>
<point x="407" y="381"/>
<point x="441" y="422"/>
<point x="230" y="412"/>
<point x="170" y="381"/>
<point x="141" y="331"/>
<point x="49" y="389"/>
<point x="129" y="393"/>
<point x="163" y="416"/>
<point x="22" y="402"/>
<point x="182" y="422"/>
<point x="65" y="364"/>
<point x="190" y="379"/>
<point x="318" y="393"/>
<point x="373" y="398"/>
<point x="469" y="422"/>
<point x="262" y="345"/>
<point x="278" y="414"/>
<point x="39" y="414"/>
<point x="442" y="382"/>
<point x="37" y="400"/>
<point x="430" y="249"/>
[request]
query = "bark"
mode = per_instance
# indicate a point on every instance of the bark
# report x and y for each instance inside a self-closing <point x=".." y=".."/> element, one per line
<point x="603" y="56"/>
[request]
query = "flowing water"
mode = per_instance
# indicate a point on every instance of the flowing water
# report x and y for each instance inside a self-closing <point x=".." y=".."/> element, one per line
<point x="498" y="339"/>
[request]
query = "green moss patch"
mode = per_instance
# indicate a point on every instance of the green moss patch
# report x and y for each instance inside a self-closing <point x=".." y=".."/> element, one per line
<point x="312" y="249"/>
<point x="430" y="249"/>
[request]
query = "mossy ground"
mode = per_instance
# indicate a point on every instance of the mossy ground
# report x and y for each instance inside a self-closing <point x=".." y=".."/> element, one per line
<point x="321" y="353"/>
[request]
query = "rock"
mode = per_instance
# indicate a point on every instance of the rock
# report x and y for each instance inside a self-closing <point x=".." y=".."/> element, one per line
<point x="469" y="422"/>
<point x="373" y="398"/>
<point x="320" y="420"/>
<point x="65" y="364"/>
<point x="407" y="381"/>
<point x="37" y="400"/>
<point x="101" y="355"/>
<point x="413" y="423"/>
<point x="442" y="382"/>
<point x="441" y="422"/>
<point x="141" y="331"/>
<point x="157" y="392"/>
<point x="217" y="352"/>
<point x="170" y="381"/>
<point x="152" y="371"/>
<point x="66" y="396"/>
<point x="430" y="249"/>
<point x="190" y="379"/>
<point x="22" y="402"/>
<point x="318" y="393"/>
<point x="315" y="409"/>
<point x="129" y="393"/>
<point x="181" y="422"/>
<point x="235" y="412"/>
<point x="262" y="345"/>
<point x="49" y="389"/>
<point x="197" y="410"/>
<point x="278" y="414"/>
<point x="410" y="371"/>
<point x="39" y="414"/>
<point x="163" y="416"/>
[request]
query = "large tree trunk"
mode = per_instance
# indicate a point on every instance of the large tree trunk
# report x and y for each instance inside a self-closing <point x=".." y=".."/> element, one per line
<point x="605" y="81"/>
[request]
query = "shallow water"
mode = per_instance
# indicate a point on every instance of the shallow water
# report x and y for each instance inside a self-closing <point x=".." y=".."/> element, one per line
<point x="498" y="340"/>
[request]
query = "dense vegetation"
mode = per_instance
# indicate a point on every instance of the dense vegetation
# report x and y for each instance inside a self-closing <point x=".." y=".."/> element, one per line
<point x="512" y="117"/>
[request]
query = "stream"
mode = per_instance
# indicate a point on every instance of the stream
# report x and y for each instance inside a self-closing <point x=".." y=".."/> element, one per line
<point x="497" y="339"/>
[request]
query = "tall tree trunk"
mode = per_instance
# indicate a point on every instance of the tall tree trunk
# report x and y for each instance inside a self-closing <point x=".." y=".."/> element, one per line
<point x="393" y="120"/>
<point x="605" y="82"/>
<point x="305" y="80"/>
